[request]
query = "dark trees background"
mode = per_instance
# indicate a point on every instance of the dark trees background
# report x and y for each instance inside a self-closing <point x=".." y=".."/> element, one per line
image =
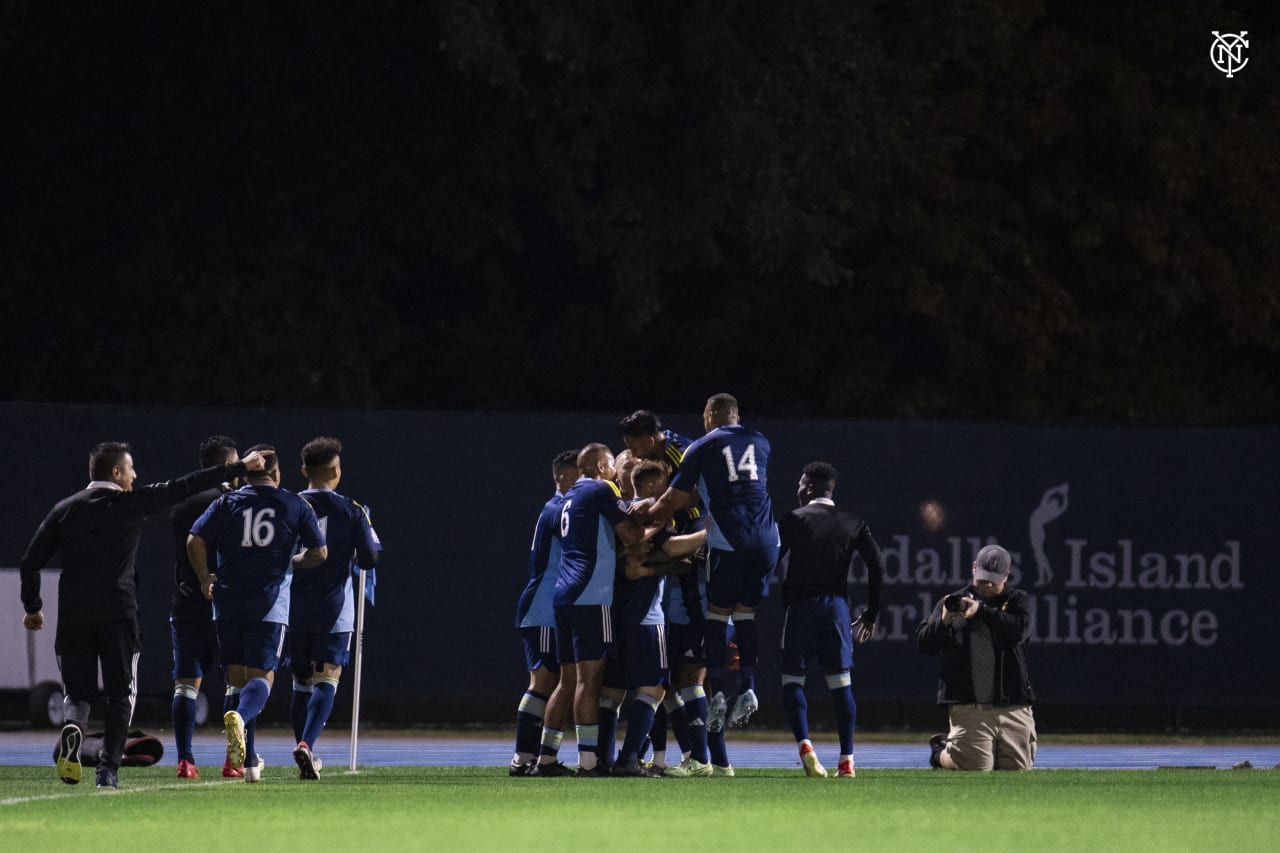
<point x="1038" y="211"/>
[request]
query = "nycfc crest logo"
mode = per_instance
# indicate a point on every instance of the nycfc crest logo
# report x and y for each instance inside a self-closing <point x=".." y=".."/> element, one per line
<point x="1227" y="52"/>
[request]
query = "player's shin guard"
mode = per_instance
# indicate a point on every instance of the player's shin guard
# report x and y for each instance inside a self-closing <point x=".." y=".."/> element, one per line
<point x="529" y="717"/>
<point x="549" y="750"/>
<point x="841" y="689"/>
<point x="695" y="721"/>
<point x="587" y="743"/>
<point x="231" y="699"/>
<point x="674" y="706"/>
<point x="639" y="723"/>
<point x="748" y="640"/>
<point x="319" y="709"/>
<point x="716" y="637"/>
<point x="796" y="705"/>
<point x="298" y="710"/>
<point x="184" y="719"/>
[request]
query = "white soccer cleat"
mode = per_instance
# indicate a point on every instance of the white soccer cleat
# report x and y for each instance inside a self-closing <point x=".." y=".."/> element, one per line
<point x="254" y="774"/>
<point x="746" y="705"/>
<point x="812" y="766"/>
<point x="689" y="769"/>
<point x="717" y="770"/>
<point x="717" y="708"/>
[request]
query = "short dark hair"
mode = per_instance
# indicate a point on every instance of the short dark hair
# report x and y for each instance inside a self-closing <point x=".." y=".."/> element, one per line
<point x="216" y="450"/>
<point x="565" y="459"/>
<point x="319" y="452"/>
<point x="270" y="459"/>
<point x="723" y="403"/>
<point x="821" y="472"/>
<point x="590" y="455"/>
<point x="639" y="423"/>
<point x="104" y="457"/>
<point x="648" y="470"/>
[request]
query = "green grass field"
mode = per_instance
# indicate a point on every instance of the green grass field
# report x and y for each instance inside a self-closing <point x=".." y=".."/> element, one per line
<point x="416" y="808"/>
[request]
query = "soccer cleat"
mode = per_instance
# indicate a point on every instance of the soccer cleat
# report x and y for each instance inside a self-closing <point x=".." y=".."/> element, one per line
<point x="555" y="768"/>
<point x="254" y="773"/>
<point x="717" y="708"/>
<point x="306" y="762"/>
<point x="600" y="771"/>
<point x="846" y="770"/>
<point x="234" y="725"/>
<point x="517" y="769"/>
<point x="635" y="769"/>
<point x="229" y="772"/>
<point x="187" y="770"/>
<point x="68" y="761"/>
<point x="717" y="770"/>
<point x="937" y="743"/>
<point x="316" y="762"/>
<point x="107" y="778"/>
<point x="812" y="766"/>
<point x="689" y="769"/>
<point x="746" y="705"/>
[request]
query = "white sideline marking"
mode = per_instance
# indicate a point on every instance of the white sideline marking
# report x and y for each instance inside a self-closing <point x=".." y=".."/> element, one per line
<point x="17" y="801"/>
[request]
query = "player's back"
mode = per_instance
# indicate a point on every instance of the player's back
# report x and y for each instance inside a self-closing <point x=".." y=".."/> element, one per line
<point x="535" y="606"/>
<point x="821" y="540"/>
<point x="322" y="597"/>
<point x="731" y="465"/>
<point x="254" y="531"/>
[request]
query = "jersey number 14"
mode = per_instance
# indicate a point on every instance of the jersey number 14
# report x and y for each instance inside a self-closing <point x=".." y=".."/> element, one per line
<point x="746" y="464"/>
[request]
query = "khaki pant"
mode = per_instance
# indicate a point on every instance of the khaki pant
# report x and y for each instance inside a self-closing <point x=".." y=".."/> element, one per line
<point x="992" y="737"/>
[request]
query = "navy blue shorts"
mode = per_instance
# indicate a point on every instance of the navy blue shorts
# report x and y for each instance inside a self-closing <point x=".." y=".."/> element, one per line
<point x="540" y="647"/>
<point x="583" y="632"/>
<point x="250" y="643"/>
<point x="646" y="656"/>
<point x="739" y="577"/>
<point x="817" y="628"/>
<point x="195" y="648"/>
<point x="685" y="644"/>
<point x="308" y="650"/>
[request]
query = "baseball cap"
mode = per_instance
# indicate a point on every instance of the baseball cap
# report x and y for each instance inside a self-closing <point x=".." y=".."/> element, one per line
<point x="992" y="564"/>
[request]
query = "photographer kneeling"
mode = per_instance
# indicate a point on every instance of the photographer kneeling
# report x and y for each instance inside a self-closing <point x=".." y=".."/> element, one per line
<point x="981" y="632"/>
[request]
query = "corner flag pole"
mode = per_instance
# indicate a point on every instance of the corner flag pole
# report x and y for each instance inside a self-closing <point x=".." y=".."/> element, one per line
<point x="359" y="667"/>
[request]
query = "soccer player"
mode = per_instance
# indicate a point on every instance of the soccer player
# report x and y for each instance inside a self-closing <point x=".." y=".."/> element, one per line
<point x="592" y="516"/>
<point x="322" y="602"/>
<point x="253" y="532"/>
<point x="644" y="436"/>
<point x="97" y="530"/>
<point x="195" y="643"/>
<point x="819" y="543"/>
<point x="536" y="621"/>
<point x="729" y="467"/>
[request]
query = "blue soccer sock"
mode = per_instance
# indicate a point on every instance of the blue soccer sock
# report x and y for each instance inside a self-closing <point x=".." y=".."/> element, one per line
<point x="658" y="734"/>
<point x="674" y="707"/>
<point x="796" y="705"/>
<point x="846" y="709"/>
<point x="253" y="698"/>
<point x="319" y="709"/>
<point x="588" y="741"/>
<point x="298" y="709"/>
<point x="549" y="749"/>
<point x="716" y="637"/>
<point x="607" y="731"/>
<point x="639" y="723"/>
<point x="716" y="748"/>
<point x="529" y="717"/>
<point x="748" y="640"/>
<point x="250" y="754"/>
<point x="231" y="699"/>
<point x="184" y="719"/>
<point x="695" y="721"/>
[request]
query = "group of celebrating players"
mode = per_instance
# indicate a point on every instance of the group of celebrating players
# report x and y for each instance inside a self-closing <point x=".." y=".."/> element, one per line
<point x="641" y="566"/>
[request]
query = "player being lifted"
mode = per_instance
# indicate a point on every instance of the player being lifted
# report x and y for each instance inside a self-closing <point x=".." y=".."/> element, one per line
<point x="729" y="467"/>
<point x="254" y="532"/>
<point x="322" y="610"/>
<point x="543" y="701"/>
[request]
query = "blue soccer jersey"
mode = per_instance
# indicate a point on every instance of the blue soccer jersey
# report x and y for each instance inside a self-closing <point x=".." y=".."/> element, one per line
<point x="588" y="556"/>
<point x="323" y="596"/>
<point x="254" y="532"/>
<point x="729" y="466"/>
<point x="536" y="605"/>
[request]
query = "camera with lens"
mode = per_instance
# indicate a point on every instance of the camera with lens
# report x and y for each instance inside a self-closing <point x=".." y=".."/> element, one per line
<point x="954" y="603"/>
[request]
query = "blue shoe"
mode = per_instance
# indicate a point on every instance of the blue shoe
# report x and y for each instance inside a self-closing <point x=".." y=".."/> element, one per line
<point x="107" y="778"/>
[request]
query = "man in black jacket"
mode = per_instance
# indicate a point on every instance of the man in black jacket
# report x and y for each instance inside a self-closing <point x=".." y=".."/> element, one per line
<point x="981" y="632"/>
<point x="97" y="530"/>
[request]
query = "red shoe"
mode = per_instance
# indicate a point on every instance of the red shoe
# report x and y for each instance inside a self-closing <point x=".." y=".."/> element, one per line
<point x="846" y="769"/>
<point x="229" y="772"/>
<point x="187" y="770"/>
